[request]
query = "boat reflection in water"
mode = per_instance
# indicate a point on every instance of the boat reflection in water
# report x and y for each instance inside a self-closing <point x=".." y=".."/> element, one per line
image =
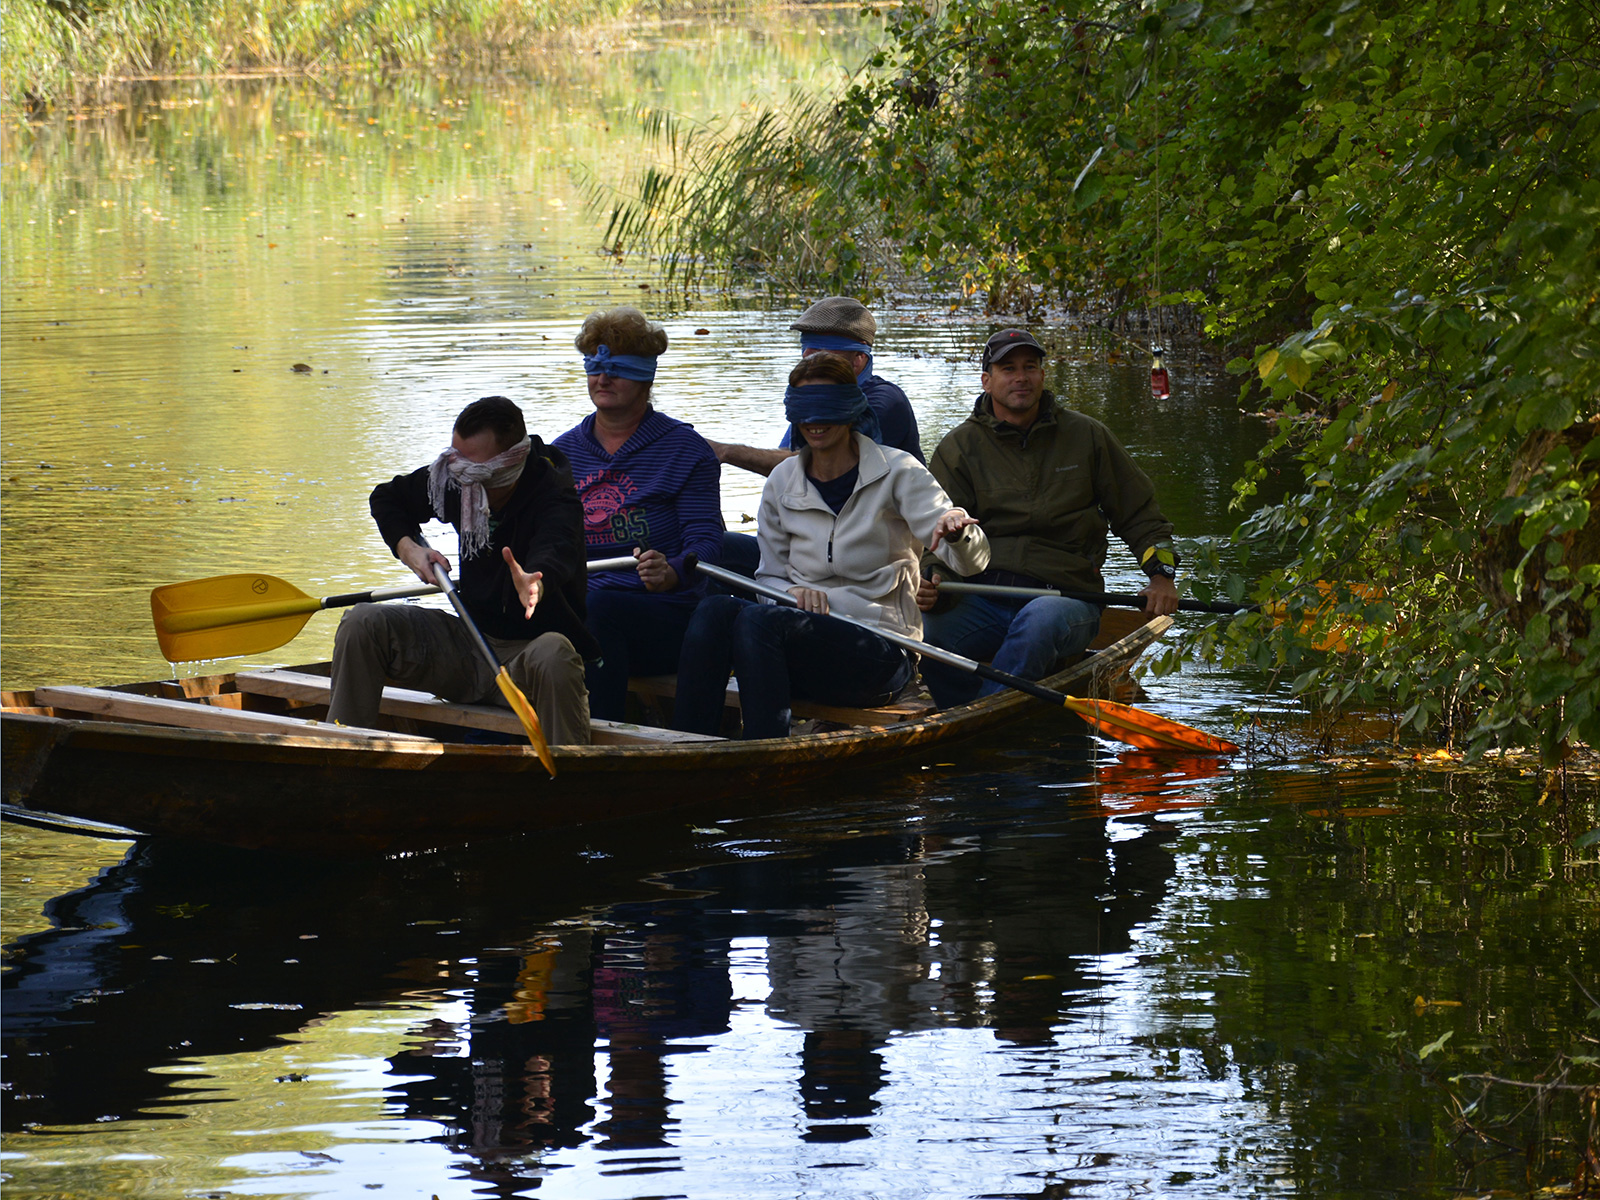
<point x="577" y="984"/>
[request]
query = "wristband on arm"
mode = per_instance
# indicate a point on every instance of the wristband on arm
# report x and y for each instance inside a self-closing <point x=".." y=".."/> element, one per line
<point x="1160" y="559"/>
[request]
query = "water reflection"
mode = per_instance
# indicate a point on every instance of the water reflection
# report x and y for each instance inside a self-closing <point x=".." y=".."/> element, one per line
<point x="1039" y="972"/>
<point x="175" y="955"/>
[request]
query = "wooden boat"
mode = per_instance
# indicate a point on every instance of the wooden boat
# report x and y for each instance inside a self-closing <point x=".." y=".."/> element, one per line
<point x="242" y="760"/>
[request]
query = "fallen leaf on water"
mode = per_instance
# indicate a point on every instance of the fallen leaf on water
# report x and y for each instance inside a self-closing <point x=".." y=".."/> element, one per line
<point x="301" y="368"/>
<point x="1030" y="978"/>
<point x="701" y="332"/>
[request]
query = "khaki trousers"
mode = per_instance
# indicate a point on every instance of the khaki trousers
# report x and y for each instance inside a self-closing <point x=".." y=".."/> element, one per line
<point x="432" y="651"/>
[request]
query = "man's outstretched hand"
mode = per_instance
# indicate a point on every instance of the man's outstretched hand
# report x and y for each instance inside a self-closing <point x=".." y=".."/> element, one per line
<point x="529" y="585"/>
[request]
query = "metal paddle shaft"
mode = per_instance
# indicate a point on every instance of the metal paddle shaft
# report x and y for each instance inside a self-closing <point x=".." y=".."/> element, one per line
<point x="1119" y="721"/>
<point x="508" y="688"/>
<point x="460" y="605"/>
<point x="915" y="645"/>
<point x="1117" y="599"/>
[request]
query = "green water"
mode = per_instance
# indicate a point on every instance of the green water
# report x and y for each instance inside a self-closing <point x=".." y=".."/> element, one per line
<point x="1037" y="968"/>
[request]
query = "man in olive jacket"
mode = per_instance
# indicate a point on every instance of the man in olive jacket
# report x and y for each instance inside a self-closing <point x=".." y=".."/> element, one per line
<point x="1047" y="483"/>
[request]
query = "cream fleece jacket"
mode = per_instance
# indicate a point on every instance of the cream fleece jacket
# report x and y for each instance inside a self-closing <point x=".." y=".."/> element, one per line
<point x="866" y="557"/>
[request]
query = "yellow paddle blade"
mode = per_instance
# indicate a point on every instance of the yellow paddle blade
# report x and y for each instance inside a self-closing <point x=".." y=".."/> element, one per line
<point x="1146" y="730"/>
<point x="228" y="615"/>
<point x="529" y="718"/>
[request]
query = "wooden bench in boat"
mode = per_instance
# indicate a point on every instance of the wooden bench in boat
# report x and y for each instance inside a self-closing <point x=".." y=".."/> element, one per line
<point x="189" y="714"/>
<point x="907" y="707"/>
<point x="305" y="688"/>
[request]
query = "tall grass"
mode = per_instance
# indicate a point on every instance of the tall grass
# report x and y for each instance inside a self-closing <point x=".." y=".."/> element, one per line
<point x="767" y="196"/>
<point x="52" y="52"/>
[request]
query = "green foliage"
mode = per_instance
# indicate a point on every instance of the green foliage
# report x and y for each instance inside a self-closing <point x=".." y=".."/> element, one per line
<point x="1394" y="205"/>
<point x="52" y="46"/>
<point x="1449" y="373"/>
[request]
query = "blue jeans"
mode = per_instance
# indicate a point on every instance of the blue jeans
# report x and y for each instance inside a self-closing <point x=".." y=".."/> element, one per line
<point x="640" y="633"/>
<point x="1030" y="638"/>
<point x="776" y="654"/>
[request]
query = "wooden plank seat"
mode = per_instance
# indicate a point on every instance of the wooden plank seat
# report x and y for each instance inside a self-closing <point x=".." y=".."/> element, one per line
<point x="304" y="688"/>
<point x="908" y="706"/>
<point x="188" y="714"/>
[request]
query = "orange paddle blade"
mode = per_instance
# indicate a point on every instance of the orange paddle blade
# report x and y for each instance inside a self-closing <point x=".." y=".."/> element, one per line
<point x="1146" y="730"/>
<point x="1337" y="637"/>
<point x="529" y="718"/>
<point x="227" y="615"/>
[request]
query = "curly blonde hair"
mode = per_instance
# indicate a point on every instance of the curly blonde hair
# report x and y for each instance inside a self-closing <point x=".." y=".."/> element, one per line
<point x="624" y="329"/>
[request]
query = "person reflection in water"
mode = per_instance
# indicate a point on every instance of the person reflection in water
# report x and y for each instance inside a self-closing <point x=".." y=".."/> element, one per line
<point x="998" y="929"/>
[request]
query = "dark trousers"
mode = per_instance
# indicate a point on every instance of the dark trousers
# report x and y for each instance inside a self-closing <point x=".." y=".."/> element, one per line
<point x="776" y="654"/>
<point x="640" y="633"/>
<point x="741" y="554"/>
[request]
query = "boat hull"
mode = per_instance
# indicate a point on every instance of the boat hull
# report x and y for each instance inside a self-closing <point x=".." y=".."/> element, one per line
<point x="307" y="794"/>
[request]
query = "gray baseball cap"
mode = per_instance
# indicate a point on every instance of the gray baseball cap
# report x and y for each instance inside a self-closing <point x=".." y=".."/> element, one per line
<point x="1004" y="342"/>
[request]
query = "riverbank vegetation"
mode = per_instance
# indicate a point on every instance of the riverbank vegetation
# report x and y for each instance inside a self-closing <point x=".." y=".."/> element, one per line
<point x="1387" y="213"/>
<point x="55" y="50"/>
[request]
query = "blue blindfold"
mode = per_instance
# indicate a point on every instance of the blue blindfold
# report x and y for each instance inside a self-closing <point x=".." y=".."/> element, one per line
<point x="839" y="345"/>
<point x="828" y="404"/>
<point x="623" y="366"/>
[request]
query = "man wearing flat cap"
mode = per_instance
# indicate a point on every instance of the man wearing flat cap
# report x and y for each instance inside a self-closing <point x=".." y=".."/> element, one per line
<point x="844" y="326"/>
<point x="1048" y="484"/>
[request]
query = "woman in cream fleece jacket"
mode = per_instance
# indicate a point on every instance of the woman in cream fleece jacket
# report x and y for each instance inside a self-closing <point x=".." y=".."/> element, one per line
<point x="841" y="526"/>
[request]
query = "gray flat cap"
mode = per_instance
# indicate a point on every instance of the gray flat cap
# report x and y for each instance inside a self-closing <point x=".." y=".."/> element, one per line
<point x="839" y="316"/>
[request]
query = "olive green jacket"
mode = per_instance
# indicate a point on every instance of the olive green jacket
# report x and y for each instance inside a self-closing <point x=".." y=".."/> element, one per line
<point x="1047" y="495"/>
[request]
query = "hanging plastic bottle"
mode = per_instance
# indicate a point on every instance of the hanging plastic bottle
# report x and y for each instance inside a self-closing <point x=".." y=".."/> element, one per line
<point x="1160" y="384"/>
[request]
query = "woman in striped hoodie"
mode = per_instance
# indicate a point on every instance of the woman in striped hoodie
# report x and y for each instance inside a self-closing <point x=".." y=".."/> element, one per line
<point x="650" y="488"/>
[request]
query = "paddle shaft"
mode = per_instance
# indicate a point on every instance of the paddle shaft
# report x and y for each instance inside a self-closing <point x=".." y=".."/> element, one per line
<point x="1119" y="599"/>
<point x="915" y="645"/>
<point x="460" y="605"/>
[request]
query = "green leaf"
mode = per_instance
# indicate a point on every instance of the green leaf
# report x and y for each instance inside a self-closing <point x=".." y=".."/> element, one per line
<point x="1435" y="1047"/>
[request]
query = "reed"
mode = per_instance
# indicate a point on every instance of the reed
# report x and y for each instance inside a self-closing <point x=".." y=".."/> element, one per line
<point x="769" y="196"/>
<point x="54" y="51"/>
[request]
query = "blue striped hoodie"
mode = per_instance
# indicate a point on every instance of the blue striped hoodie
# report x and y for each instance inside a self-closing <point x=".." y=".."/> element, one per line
<point x="660" y="491"/>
